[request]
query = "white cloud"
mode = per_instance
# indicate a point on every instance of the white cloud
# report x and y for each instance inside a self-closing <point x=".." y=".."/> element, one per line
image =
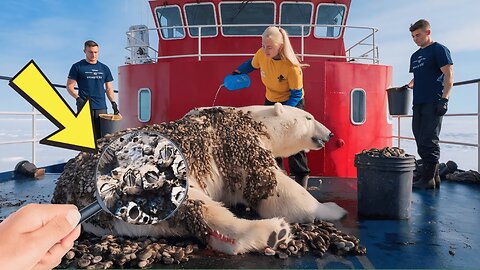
<point x="464" y="38"/>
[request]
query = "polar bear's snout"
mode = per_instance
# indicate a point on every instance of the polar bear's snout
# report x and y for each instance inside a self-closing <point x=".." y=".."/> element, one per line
<point x="320" y="142"/>
<point x="321" y="135"/>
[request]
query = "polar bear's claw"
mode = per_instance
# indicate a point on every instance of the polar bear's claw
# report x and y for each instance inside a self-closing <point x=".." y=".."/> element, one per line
<point x="274" y="239"/>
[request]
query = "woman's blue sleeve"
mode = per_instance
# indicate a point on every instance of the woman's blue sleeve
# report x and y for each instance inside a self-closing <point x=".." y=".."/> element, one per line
<point x="295" y="97"/>
<point x="246" y="67"/>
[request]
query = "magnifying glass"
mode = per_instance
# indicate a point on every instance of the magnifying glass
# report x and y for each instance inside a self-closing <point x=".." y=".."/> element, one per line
<point x="141" y="178"/>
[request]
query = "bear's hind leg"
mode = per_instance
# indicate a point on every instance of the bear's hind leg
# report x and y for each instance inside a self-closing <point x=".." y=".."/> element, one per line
<point x="296" y="204"/>
<point x="232" y="235"/>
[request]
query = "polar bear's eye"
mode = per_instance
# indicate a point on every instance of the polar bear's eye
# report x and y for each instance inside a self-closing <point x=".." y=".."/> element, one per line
<point x="308" y="117"/>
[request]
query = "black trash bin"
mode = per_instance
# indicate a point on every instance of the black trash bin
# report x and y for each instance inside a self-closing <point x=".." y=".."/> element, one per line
<point x="25" y="168"/>
<point x="384" y="186"/>
<point x="399" y="100"/>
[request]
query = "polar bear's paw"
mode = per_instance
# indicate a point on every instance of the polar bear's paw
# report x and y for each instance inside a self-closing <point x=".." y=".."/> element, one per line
<point x="277" y="237"/>
<point x="256" y="235"/>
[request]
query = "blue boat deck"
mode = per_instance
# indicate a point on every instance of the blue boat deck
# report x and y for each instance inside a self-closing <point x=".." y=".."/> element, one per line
<point x="441" y="232"/>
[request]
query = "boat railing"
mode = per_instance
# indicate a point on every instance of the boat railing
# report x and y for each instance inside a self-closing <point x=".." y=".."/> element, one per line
<point x="369" y="55"/>
<point x="33" y="140"/>
<point x="399" y="136"/>
<point x="35" y="116"/>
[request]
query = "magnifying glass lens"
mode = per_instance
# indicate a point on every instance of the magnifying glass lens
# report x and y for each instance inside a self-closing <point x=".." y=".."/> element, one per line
<point x="142" y="178"/>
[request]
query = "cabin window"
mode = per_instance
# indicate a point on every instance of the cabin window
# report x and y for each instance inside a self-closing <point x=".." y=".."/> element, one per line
<point x="170" y="16"/>
<point x="144" y="104"/>
<point x="330" y="14"/>
<point x="199" y="15"/>
<point x="358" y="106"/>
<point x="296" y="13"/>
<point x="262" y="13"/>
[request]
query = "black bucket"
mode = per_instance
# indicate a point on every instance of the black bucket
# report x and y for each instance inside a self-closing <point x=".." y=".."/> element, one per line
<point x="399" y="100"/>
<point x="25" y="168"/>
<point x="109" y="123"/>
<point x="384" y="186"/>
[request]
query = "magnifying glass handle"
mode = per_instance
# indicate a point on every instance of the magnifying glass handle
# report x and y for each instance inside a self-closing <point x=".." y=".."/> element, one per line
<point x="89" y="211"/>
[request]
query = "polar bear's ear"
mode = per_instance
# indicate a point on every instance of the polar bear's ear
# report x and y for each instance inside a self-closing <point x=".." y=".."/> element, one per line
<point x="278" y="107"/>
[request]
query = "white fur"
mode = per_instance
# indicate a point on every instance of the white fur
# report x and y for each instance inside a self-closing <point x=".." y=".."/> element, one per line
<point x="290" y="130"/>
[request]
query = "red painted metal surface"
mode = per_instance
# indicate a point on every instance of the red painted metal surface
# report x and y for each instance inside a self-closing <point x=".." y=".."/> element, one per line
<point x="341" y="79"/>
<point x="181" y="84"/>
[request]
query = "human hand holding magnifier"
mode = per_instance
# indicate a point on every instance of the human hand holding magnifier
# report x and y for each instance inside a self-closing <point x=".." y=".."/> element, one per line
<point x="141" y="178"/>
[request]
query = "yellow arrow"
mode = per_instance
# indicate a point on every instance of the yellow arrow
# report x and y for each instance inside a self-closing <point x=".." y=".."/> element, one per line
<point x="75" y="131"/>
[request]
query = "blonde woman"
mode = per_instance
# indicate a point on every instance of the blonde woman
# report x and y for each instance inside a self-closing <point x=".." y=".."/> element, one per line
<point x="281" y="73"/>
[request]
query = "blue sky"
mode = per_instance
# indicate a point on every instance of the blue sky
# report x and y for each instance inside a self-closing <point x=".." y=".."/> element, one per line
<point x="455" y="24"/>
<point x="52" y="33"/>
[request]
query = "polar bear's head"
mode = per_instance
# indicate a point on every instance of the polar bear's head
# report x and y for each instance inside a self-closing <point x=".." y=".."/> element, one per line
<point x="290" y="129"/>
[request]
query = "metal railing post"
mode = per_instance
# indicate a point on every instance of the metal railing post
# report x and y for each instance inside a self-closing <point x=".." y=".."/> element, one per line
<point x="478" y="126"/>
<point x="373" y="46"/>
<point x="34" y="157"/>
<point x="199" y="43"/>
<point x="398" y="131"/>
<point x="303" y="44"/>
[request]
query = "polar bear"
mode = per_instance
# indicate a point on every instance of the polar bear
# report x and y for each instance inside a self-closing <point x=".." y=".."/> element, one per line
<point x="230" y="152"/>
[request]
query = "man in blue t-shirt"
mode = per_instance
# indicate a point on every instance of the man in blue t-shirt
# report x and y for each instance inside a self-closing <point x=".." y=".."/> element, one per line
<point x="432" y="69"/>
<point x="94" y="79"/>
